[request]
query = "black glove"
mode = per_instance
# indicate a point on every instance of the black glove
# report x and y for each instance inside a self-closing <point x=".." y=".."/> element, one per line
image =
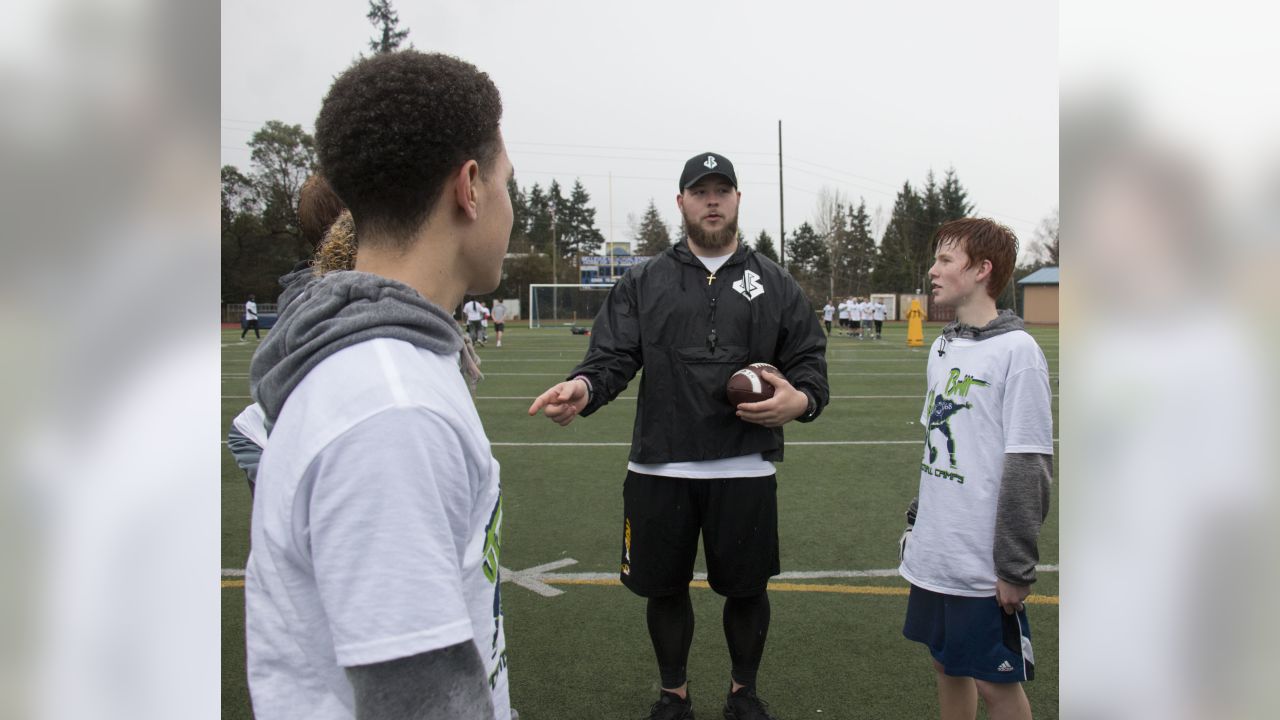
<point x="911" y="523"/>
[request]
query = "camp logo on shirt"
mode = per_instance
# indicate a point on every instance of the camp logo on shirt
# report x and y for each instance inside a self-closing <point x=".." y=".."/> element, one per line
<point x="943" y="406"/>
<point x="492" y="569"/>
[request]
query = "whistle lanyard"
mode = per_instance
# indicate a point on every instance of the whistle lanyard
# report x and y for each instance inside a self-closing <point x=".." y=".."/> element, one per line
<point x="713" y="290"/>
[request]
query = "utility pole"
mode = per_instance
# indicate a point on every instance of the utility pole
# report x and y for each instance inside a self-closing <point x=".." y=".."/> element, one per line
<point x="613" y="270"/>
<point x="555" y="278"/>
<point x="554" y="252"/>
<point x="782" y="224"/>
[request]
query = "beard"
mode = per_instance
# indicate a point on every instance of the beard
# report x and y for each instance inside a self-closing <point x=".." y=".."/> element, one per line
<point x="711" y="240"/>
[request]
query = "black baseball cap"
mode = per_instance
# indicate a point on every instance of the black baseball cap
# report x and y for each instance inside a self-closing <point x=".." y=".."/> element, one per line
<point x="704" y="164"/>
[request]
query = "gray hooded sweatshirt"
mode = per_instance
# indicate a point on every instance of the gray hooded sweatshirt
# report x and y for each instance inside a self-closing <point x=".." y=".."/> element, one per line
<point x="326" y="314"/>
<point x="1025" y="483"/>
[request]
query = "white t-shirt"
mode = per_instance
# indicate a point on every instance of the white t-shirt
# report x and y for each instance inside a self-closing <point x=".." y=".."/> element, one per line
<point x="250" y="310"/>
<point x="844" y="311"/>
<point x="377" y="531"/>
<point x="878" y="310"/>
<point x="993" y="397"/>
<point x="499" y="312"/>
<point x="866" y="310"/>
<point x="828" y="311"/>
<point x="474" y="311"/>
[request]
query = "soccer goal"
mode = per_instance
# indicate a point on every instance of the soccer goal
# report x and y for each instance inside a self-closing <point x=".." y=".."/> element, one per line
<point x="563" y="305"/>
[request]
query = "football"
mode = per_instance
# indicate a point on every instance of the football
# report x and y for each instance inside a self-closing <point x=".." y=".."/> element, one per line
<point x="746" y="385"/>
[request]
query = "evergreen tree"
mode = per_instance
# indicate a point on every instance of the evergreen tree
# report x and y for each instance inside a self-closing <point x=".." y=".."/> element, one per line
<point x="931" y="203"/>
<point x="539" y="227"/>
<point x="764" y="246"/>
<point x="520" y="218"/>
<point x="902" y="264"/>
<point x="860" y="254"/>
<point x="808" y="261"/>
<point x="651" y="235"/>
<point x="853" y="253"/>
<point x="576" y="225"/>
<point x="386" y="21"/>
<point x="955" y="199"/>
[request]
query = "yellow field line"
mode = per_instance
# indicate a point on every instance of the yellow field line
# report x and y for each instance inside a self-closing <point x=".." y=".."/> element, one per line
<point x="780" y="586"/>
<point x="799" y="587"/>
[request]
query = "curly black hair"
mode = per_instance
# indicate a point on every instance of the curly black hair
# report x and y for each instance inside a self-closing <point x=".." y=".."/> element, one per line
<point x="394" y="126"/>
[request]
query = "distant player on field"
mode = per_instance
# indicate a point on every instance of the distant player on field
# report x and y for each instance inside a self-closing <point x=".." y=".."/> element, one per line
<point x="250" y="318"/>
<point x="499" y="319"/>
<point x="971" y="553"/>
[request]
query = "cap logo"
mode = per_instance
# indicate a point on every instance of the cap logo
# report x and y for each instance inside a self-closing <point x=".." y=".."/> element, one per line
<point x="710" y="164"/>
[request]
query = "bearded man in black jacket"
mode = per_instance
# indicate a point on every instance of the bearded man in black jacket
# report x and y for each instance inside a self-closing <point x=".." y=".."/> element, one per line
<point x="691" y="317"/>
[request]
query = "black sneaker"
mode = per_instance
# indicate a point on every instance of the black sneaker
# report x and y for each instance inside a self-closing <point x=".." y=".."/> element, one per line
<point x="671" y="707"/>
<point x="746" y="705"/>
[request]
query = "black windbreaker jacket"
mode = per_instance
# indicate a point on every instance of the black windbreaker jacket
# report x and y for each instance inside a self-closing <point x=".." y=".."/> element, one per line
<point x="690" y="336"/>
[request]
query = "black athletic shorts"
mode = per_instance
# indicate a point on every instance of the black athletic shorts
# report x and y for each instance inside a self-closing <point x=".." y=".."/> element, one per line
<point x="662" y="517"/>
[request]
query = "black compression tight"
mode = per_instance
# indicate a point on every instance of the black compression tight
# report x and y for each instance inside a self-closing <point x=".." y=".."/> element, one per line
<point x="671" y="630"/>
<point x="746" y="626"/>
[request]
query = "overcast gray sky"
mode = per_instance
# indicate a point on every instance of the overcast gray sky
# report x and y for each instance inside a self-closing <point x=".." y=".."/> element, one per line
<point x="868" y="96"/>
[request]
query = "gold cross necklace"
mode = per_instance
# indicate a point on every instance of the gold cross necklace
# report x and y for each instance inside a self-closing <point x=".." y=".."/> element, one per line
<point x="711" y="277"/>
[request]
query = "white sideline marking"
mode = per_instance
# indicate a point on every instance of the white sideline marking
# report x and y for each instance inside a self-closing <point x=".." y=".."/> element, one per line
<point x="531" y="578"/>
<point x="536" y="578"/>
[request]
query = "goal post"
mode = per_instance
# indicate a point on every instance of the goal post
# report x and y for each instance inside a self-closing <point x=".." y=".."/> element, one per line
<point x="559" y="305"/>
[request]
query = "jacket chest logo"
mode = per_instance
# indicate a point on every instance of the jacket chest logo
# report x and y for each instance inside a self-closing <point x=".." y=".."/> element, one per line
<point x="749" y="286"/>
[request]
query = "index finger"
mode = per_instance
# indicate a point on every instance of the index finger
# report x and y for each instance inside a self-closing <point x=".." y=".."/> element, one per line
<point x="543" y="400"/>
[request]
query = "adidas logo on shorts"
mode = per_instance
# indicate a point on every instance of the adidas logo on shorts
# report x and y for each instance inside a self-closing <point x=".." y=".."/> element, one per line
<point x="1005" y="667"/>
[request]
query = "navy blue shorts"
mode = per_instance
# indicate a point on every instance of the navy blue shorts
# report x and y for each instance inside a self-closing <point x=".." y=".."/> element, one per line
<point x="971" y="636"/>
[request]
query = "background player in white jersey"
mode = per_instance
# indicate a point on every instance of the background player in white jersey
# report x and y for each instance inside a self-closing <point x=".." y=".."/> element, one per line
<point x="383" y="598"/>
<point x="828" y="311"/>
<point x="971" y="552"/>
<point x="474" y="310"/>
<point x="867" y="310"/>
<point x="499" y="319"/>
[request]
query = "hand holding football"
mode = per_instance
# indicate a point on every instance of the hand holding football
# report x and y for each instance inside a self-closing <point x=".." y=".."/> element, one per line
<point x="747" y="385"/>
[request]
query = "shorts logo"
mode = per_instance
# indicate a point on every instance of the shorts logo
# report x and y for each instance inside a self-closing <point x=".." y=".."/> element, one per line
<point x="710" y="164"/>
<point x="1005" y="667"/>
<point x="749" y="286"/>
<point x="626" y="542"/>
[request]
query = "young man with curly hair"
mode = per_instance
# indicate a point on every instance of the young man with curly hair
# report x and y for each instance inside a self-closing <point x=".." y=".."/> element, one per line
<point x="372" y="588"/>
